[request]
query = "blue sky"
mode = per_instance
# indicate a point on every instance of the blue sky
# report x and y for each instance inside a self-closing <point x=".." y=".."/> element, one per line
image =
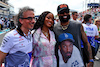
<point x="50" y="5"/>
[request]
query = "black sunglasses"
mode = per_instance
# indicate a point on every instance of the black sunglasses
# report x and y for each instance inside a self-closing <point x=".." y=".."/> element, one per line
<point x="29" y="18"/>
<point x="63" y="11"/>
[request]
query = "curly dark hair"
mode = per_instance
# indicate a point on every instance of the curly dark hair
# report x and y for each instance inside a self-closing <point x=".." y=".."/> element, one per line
<point x="39" y="23"/>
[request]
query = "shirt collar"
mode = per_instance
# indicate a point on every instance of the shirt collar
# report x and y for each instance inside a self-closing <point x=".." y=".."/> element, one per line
<point x="21" y="32"/>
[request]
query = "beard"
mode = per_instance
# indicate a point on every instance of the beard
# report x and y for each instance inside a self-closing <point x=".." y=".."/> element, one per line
<point x="63" y="20"/>
<point x="67" y="57"/>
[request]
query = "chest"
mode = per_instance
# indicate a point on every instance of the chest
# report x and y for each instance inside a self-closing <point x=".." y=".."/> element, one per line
<point x="20" y="43"/>
<point x="42" y="41"/>
<point x="90" y="31"/>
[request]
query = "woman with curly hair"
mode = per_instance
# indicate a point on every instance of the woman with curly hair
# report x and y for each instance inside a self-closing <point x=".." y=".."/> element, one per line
<point x="44" y="41"/>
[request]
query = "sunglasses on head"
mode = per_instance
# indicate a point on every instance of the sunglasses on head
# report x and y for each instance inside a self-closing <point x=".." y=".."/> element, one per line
<point x="29" y="18"/>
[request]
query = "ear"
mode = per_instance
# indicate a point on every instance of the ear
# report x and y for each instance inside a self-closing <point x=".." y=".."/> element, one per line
<point x="58" y="14"/>
<point x="21" y="21"/>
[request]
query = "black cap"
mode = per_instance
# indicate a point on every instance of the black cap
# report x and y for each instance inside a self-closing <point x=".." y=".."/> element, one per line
<point x="62" y="7"/>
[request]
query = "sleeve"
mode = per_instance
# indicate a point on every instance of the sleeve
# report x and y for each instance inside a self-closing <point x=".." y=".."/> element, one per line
<point x="6" y="43"/>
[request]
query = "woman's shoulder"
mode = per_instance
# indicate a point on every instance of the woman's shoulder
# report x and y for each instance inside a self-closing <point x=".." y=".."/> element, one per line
<point x="52" y="32"/>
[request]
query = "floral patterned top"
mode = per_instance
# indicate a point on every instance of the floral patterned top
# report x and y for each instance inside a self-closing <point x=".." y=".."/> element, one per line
<point x="43" y="50"/>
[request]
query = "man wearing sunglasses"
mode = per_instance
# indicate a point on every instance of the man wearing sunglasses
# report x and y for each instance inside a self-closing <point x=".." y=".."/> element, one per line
<point x="74" y="16"/>
<point x="76" y="29"/>
<point x="17" y="44"/>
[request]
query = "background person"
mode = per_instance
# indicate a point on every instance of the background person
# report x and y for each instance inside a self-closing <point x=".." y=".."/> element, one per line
<point x="44" y="41"/>
<point x="91" y="32"/>
<point x="69" y="55"/>
<point x="80" y="19"/>
<point x="56" y="20"/>
<point x="1" y="24"/>
<point x="17" y="44"/>
<point x="76" y="29"/>
<point x="97" y="23"/>
<point x="74" y="16"/>
<point x="11" y="25"/>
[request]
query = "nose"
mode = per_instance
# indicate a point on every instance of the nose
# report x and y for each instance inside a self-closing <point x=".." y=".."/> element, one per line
<point x="65" y="13"/>
<point x="50" y="20"/>
<point x="68" y="49"/>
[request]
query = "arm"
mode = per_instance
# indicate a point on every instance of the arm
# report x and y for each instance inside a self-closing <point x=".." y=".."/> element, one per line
<point x="2" y="57"/>
<point x="96" y="37"/>
<point x="99" y="32"/>
<point x="87" y="46"/>
<point x="5" y="47"/>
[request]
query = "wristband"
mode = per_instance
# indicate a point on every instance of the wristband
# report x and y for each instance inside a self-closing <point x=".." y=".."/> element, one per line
<point x="91" y="60"/>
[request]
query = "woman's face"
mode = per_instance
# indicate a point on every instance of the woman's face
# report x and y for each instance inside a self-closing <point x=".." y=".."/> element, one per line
<point x="98" y="22"/>
<point x="49" y="20"/>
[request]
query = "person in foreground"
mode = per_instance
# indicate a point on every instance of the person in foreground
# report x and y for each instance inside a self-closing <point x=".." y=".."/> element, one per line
<point x="76" y="29"/>
<point x="44" y="41"/>
<point x="17" y="44"/>
<point x="69" y="55"/>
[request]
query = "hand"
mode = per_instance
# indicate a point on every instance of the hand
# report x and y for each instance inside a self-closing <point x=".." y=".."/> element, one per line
<point x="90" y="64"/>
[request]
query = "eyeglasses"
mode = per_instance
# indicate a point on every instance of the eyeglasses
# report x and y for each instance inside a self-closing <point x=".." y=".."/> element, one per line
<point x="76" y="15"/>
<point x="29" y="18"/>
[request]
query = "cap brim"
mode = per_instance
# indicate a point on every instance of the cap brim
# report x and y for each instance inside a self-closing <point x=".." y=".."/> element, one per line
<point x="71" y="40"/>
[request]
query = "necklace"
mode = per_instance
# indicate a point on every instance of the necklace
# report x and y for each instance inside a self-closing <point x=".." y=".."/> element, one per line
<point x="64" y="27"/>
<point x="45" y="33"/>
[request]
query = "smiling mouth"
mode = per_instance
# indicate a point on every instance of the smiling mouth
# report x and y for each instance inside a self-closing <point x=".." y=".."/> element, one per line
<point x="68" y="54"/>
<point x="64" y="17"/>
<point x="49" y="22"/>
<point x="31" y="23"/>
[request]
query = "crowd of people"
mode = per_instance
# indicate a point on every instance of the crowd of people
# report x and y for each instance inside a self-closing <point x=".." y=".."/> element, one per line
<point x="46" y="42"/>
<point x="6" y="23"/>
